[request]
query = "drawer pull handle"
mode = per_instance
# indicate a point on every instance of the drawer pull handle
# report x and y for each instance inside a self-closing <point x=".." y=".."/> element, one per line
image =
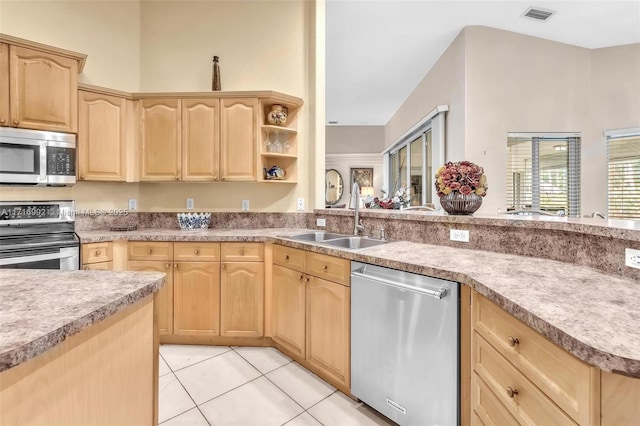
<point x="175" y="266"/>
<point x="511" y="392"/>
<point x="97" y="252"/>
<point x="513" y="341"/>
<point x="167" y="266"/>
<point x="286" y="258"/>
<point x="149" y="251"/>
<point x="325" y="267"/>
<point x="242" y="252"/>
<point x="196" y="251"/>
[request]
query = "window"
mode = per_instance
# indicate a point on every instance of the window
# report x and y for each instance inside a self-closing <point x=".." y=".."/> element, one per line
<point x="623" y="153"/>
<point x="410" y="161"/>
<point x="543" y="172"/>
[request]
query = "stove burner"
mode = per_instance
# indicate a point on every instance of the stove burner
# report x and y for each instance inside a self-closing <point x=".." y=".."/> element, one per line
<point x="123" y="228"/>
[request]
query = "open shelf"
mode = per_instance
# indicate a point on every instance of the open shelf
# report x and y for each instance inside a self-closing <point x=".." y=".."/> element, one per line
<point x="278" y="129"/>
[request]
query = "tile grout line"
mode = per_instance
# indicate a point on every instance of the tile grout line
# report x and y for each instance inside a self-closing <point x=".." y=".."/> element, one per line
<point x="198" y="362"/>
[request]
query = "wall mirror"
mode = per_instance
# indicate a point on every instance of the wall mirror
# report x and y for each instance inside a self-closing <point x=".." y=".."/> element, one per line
<point x="333" y="187"/>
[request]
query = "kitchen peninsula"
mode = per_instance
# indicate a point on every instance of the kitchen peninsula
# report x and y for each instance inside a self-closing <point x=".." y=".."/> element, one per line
<point x="78" y="347"/>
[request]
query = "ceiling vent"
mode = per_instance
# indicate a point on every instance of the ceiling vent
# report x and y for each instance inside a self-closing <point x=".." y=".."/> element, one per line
<point x="538" y="14"/>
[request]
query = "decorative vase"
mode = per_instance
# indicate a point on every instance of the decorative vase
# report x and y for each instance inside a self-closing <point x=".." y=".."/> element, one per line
<point x="460" y="204"/>
<point x="278" y="115"/>
<point x="216" y="84"/>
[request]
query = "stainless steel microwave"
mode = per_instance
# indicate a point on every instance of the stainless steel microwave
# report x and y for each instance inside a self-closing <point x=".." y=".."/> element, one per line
<point x="34" y="157"/>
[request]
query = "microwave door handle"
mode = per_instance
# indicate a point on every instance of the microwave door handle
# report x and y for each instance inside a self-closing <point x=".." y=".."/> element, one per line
<point x="34" y="258"/>
<point x="43" y="160"/>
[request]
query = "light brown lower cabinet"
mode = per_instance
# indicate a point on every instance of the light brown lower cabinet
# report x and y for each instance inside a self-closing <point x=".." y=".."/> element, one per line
<point x="289" y="308"/>
<point x="164" y="297"/>
<point x="242" y="299"/>
<point x="196" y="298"/>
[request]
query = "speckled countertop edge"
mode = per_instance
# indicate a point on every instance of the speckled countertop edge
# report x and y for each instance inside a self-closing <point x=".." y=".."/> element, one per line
<point x="599" y="325"/>
<point x="35" y="317"/>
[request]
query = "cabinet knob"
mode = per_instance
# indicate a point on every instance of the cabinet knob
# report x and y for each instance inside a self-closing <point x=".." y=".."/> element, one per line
<point x="167" y="266"/>
<point x="177" y="177"/>
<point x="306" y="280"/>
<point x="16" y="122"/>
<point x="86" y="268"/>
<point x="175" y="266"/>
<point x="511" y="392"/>
<point x="301" y="277"/>
<point x="325" y="267"/>
<point x="1" y="120"/>
<point x="97" y="252"/>
<point x="513" y="341"/>
<point x="149" y="251"/>
<point x="196" y="251"/>
<point x="242" y="252"/>
<point x="286" y="258"/>
<point x="222" y="178"/>
<point x="224" y="266"/>
<point x="81" y="177"/>
<point x="215" y="178"/>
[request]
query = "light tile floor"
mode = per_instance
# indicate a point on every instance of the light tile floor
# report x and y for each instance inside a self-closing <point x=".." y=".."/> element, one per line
<point x="221" y="385"/>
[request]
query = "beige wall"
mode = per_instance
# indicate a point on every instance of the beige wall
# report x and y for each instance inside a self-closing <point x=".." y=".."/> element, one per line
<point x="444" y="84"/>
<point x="354" y="139"/>
<point x="168" y="46"/>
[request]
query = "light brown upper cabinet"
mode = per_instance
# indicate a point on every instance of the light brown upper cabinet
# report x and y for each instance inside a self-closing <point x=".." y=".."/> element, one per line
<point x="102" y="136"/>
<point x="38" y="87"/>
<point x="239" y="138"/>
<point x="200" y="140"/>
<point x="160" y="139"/>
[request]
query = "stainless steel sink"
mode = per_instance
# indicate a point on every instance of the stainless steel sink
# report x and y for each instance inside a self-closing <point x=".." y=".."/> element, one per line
<point x="355" y="242"/>
<point x="316" y="236"/>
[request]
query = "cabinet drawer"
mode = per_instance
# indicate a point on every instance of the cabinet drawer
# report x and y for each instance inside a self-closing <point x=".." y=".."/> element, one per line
<point x="196" y="252"/>
<point x="97" y="252"/>
<point x="242" y="252"/>
<point x="150" y="250"/>
<point x="328" y="267"/>
<point x="527" y="403"/>
<point x="569" y="382"/>
<point x="102" y="266"/>
<point x="288" y="257"/>
<point x="487" y="407"/>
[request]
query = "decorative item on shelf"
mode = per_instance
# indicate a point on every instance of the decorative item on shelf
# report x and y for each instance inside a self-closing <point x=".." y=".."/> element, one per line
<point x="461" y="186"/>
<point x="278" y="115"/>
<point x="274" y="173"/>
<point x="193" y="221"/>
<point x="216" y="84"/>
<point x="401" y="198"/>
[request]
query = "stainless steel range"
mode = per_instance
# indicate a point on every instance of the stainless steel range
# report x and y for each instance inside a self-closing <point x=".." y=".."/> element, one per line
<point x="38" y="235"/>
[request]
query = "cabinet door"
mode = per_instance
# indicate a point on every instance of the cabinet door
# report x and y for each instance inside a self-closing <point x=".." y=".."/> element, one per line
<point x="200" y="140"/>
<point x="101" y="137"/>
<point x="43" y="90"/>
<point x="328" y="333"/>
<point x="197" y="299"/>
<point x="160" y="140"/>
<point x="4" y="85"/>
<point x="238" y="139"/>
<point x="242" y="299"/>
<point x="289" y="309"/>
<point x="164" y="308"/>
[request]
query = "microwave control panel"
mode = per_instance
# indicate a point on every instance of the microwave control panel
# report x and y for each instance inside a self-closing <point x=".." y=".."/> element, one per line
<point x="61" y="161"/>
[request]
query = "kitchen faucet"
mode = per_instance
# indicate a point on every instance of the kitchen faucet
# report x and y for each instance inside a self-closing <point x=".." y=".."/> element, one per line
<point x="358" y="226"/>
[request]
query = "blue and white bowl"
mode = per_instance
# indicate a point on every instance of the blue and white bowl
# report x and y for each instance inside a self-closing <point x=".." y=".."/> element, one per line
<point x="193" y="221"/>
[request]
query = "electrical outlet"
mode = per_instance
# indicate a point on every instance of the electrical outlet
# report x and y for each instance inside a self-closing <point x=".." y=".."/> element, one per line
<point x="300" y="204"/>
<point x="459" y="235"/>
<point x="321" y="222"/>
<point x="245" y="205"/>
<point x="133" y="204"/>
<point x="189" y="203"/>
<point x="632" y="258"/>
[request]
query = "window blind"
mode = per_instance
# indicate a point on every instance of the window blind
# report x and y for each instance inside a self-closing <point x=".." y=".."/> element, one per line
<point x="623" y="153"/>
<point x="543" y="173"/>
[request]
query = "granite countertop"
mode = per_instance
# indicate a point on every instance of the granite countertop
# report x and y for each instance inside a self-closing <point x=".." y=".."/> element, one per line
<point x="591" y="314"/>
<point x="41" y="308"/>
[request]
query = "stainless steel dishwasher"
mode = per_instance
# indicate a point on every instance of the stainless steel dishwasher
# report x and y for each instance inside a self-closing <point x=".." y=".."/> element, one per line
<point x="404" y="345"/>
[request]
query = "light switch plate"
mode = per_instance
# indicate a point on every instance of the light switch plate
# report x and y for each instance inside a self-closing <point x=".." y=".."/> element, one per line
<point x="133" y="203"/>
<point x="189" y="203"/>
<point x="300" y="204"/>
<point x="245" y="205"/>
<point x="632" y="258"/>
<point x="321" y="222"/>
<point x="459" y="235"/>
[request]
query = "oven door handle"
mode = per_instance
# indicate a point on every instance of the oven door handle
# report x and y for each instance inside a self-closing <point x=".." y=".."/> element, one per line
<point x="35" y="258"/>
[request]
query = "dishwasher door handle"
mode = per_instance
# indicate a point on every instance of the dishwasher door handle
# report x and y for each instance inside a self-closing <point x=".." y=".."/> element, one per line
<point x="438" y="294"/>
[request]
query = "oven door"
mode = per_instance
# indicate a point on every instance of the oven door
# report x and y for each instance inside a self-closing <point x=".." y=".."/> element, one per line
<point x="61" y="258"/>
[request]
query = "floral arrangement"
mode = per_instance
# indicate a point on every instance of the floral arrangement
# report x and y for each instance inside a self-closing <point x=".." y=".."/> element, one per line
<point x="463" y="176"/>
<point x="401" y="198"/>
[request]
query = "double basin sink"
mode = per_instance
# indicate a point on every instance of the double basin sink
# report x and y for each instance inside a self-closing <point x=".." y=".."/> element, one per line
<point x="338" y="240"/>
